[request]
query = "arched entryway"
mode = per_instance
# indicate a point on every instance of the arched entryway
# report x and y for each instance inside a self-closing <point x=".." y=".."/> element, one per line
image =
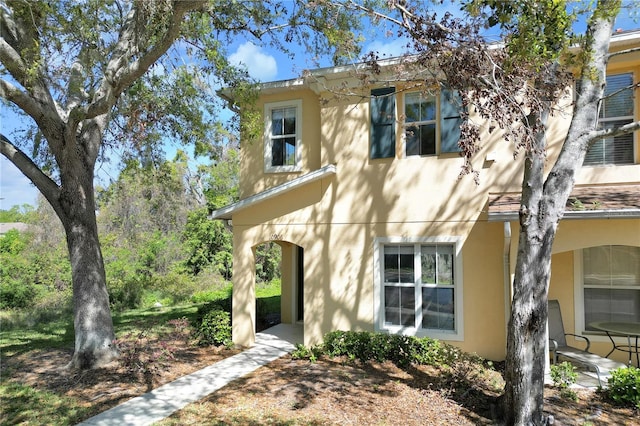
<point x="286" y="305"/>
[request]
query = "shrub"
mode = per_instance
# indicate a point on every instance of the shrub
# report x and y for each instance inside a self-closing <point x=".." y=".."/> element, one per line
<point x="15" y="294"/>
<point x="624" y="386"/>
<point x="563" y="376"/>
<point x="215" y="328"/>
<point x="137" y="359"/>
<point x="399" y="349"/>
<point x="125" y="294"/>
<point x="304" y="352"/>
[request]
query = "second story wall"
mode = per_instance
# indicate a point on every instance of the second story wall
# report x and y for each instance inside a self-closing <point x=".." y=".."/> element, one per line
<point x="291" y="119"/>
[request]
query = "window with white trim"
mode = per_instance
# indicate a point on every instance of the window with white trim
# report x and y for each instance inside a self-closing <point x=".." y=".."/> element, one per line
<point x="423" y="120"/>
<point x="616" y="110"/>
<point x="419" y="287"/>
<point x="610" y="285"/>
<point x="283" y="122"/>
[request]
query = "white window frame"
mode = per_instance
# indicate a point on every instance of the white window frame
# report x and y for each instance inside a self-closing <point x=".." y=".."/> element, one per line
<point x="268" y="108"/>
<point x="578" y="299"/>
<point x="405" y="124"/>
<point x="378" y="294"/>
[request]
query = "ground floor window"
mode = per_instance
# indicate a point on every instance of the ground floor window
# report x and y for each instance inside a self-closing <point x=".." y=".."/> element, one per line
<point x="419" y="286"/>
<point x="610" y="284"/>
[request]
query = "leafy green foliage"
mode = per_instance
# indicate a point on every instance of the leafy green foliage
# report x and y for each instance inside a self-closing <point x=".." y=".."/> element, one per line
<point x="32" y="266"/>
<point x="208" y="243"/>
<point x="563" y="376"/>
<point x="268" y="257"/>
<point x="401" y="350"/>
<point x="537" y="31"/>
<point x="215" y="328"/>
<point x="624" y="386"/>
<point x="23" y="213"/>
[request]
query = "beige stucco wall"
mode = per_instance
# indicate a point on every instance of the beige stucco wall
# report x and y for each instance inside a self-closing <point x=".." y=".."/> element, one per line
<point x="336" y="220"/>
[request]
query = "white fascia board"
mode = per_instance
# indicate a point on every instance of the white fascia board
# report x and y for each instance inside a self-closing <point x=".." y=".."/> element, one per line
<point x="574" y="214"/>
<point x="228" y="211"/>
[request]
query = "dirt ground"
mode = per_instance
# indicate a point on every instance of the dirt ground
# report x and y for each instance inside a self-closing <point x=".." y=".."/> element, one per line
<point x="293" y="392"/>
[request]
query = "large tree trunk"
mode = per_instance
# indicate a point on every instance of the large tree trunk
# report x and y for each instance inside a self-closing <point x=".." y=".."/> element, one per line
<point x="526" y="339"/>
<point x="92" y="322"/>
<point x="94" y="333"/>
<point x="526" y="342"/>
<point x="542" y="206"/>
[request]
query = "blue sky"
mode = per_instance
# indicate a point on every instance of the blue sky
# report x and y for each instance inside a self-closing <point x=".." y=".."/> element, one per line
<point x="262" y="63"/>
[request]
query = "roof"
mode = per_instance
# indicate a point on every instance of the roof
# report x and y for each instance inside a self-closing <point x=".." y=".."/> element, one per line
<point x="8" y="226"/>
<point x="585" y="202"/>
<point x="228" y="211"/>
<point x="310" y="78"/>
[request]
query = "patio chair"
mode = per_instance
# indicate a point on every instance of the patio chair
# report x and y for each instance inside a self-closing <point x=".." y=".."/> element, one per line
<point x="559" y="347"/>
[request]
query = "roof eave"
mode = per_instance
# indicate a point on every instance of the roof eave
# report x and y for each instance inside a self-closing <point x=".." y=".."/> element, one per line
<point x="573" y="214"/>
<point x="228" y="211"/>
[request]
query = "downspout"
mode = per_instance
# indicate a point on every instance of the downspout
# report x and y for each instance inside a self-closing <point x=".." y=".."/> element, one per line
<point x="508" y="285"/>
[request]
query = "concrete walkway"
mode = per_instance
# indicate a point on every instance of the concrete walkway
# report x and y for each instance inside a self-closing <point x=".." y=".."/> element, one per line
<point x="154" y="406"/>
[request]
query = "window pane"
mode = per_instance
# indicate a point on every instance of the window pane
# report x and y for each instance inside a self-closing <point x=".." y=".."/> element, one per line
<point x="290" y="154"/>
<point x="437" y="264"/>
<point x="399" y="306"/>
<point x="277" y="152"/>
<point x="391" y="265"/>
<point x="420" y="140"/>
<point x="408" y="306"/>
<point x="277" y="117"/>
<point x="428" y="261"/>
<point x="398" y="264"/>
<point x="412" y="140"/>
<point x="618" y="100"/>
<point x="419" y="108"/>
<point x="428" y="139"/>
<point x="602" y="304"/>
<point x="445" y="265"/>
<point x="392" y="305"/>
<point x="412" y="107"/>
<point x="290" y="121"/>
<point x="616" y="150"/>
<point x="611" y="266"/>
<point x="438" y="309"/>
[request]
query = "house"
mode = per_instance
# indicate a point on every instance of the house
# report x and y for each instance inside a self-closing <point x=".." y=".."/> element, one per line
<point x="378" y="233"/>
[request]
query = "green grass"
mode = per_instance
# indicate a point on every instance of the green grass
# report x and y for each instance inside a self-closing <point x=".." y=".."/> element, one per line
<point x="25" y="405"/>
<point x="22" y="332"/>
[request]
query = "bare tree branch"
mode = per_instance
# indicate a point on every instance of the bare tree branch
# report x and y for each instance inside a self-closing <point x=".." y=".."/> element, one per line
<point x="119" y="74"/>
<point x="44" y="183"/>
<point x="615" y="131"/>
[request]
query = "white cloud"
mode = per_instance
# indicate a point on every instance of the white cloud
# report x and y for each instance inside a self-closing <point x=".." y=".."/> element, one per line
<point x="396" y="47"/>
<point x="260" y="65"/>
<point x="15" y="188"/>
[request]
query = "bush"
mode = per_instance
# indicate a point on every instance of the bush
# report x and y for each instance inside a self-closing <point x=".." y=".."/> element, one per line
<point x="563" y="376"/>
<point x="125" y="294"/>
<point x="624" y="386"/>
<point x="214" y="328"/>
<point x="16" y="295"/>
<point x="138" y="359"/>
<point x="399" y="349"/>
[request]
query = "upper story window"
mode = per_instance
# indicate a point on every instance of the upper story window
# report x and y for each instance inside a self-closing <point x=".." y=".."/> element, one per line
<point x="420" y="124"/>
<point x="431" y="123"/>
<point x="615" y="110"/>
<point x="283" y="136"/>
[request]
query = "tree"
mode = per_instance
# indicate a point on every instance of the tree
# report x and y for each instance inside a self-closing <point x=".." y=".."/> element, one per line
<point x="94" y="77"/>
<point x="515" y="87"/>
